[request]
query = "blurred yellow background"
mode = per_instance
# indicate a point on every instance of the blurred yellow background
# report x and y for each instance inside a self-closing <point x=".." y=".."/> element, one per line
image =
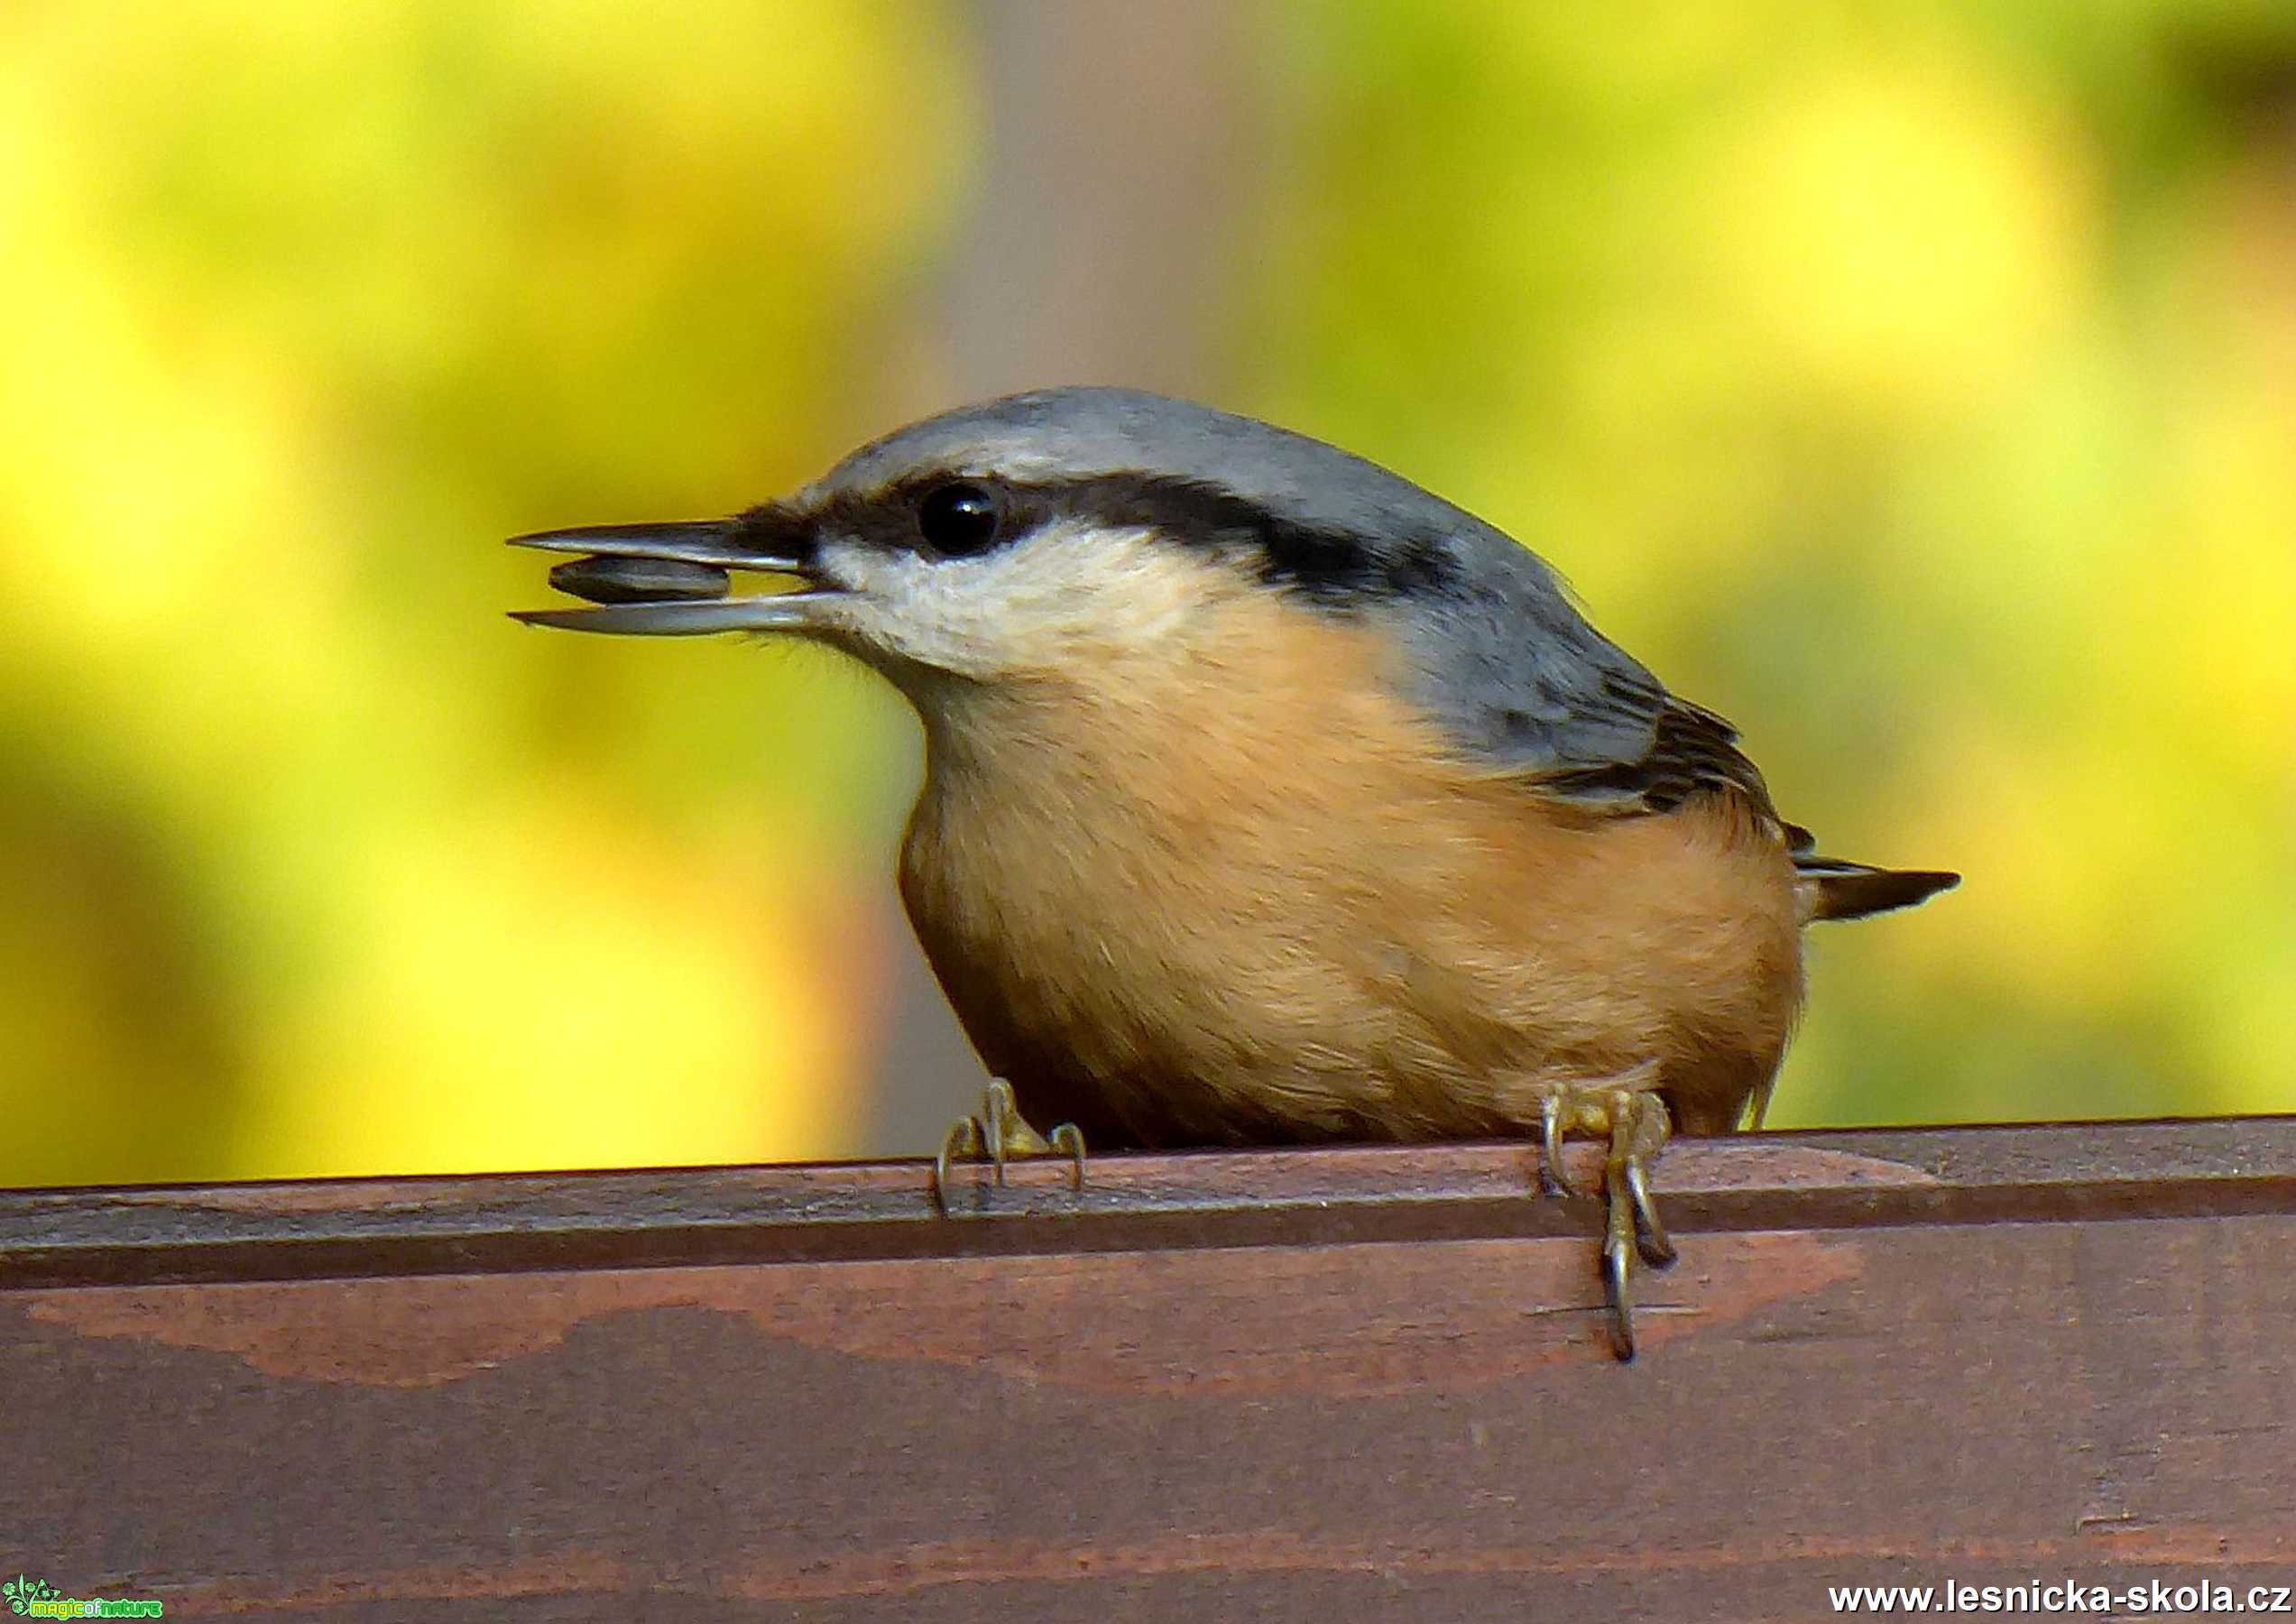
<point x="1914" y="382"/>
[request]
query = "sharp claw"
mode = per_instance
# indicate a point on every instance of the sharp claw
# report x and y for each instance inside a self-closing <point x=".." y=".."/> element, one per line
<point x="997" y="1135"/>
<point x="1636" y="1124"/>
<point x="1551" y="1145"/>
<point x="1003" y="1113"/>
<point x="1616" y="1264"/>
<point x="1657" y="1248"/>
<point x="1069" y="1137"/>
<point x="963" y="1139"/>
<point x="998" y="1101"/>
<point x="1618" y="1228"/>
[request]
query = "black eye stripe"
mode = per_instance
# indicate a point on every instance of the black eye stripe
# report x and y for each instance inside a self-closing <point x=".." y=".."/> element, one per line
<point x="1334" y="568"/>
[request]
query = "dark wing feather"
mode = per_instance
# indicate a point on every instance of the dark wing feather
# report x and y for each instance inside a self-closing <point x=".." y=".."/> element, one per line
<point x="1691" y="750"/>
<point x="1520" y="681"/>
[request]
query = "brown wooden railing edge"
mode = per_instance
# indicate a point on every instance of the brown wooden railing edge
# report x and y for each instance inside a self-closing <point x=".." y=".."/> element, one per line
<point x="684" y="1216"/>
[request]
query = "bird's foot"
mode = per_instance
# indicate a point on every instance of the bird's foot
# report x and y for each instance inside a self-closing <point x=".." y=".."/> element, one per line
<point x="1632" y="1119"/>
<point x="997" y="1135"/>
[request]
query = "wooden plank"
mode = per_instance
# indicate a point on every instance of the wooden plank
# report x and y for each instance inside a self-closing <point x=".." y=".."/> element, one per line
<point x="1316" y="1385"/>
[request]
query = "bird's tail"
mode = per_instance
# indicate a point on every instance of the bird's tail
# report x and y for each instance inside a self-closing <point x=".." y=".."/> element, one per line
<point x="1831" y="889"/>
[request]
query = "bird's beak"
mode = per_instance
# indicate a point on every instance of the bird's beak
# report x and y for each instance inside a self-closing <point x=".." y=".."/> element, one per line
<point x="671" y="580"/>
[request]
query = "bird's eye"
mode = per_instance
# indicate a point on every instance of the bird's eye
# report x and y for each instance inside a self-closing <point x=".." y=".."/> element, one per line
<point x="958" y="521"/>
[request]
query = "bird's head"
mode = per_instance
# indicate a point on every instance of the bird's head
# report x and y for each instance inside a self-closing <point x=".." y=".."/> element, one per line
<point x="1034" y="534"/>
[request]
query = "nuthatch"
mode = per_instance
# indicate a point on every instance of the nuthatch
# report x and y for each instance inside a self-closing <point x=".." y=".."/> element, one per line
<point x="1270" y="799"/>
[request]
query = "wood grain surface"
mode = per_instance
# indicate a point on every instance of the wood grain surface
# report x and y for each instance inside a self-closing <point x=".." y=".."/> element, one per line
<point x="1316" y="1384"/>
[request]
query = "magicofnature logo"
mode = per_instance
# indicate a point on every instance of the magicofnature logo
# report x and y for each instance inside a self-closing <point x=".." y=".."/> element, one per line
<point x="37" y="1598"/>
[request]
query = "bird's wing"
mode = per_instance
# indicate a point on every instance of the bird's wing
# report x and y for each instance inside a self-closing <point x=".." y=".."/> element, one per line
<point x="1577" y="719"/>
<point x="1522" y="683"/>
<point x="1690" y="749"/>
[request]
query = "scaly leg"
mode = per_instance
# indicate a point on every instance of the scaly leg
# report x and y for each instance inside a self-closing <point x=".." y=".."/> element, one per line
<point x="997" y="1135"/>
<point x="1633" y="1119"/>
